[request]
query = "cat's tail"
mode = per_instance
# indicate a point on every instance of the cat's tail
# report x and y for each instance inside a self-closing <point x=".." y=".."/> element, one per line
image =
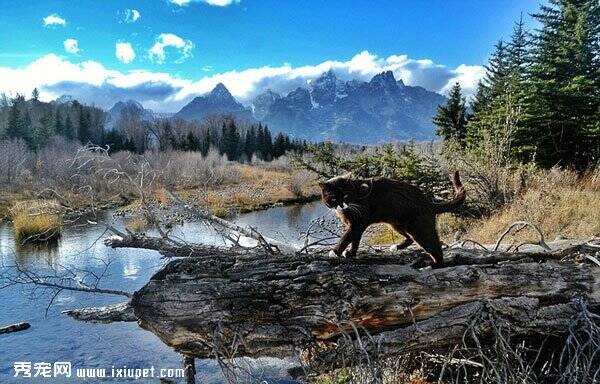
<point x="457" y="201"/>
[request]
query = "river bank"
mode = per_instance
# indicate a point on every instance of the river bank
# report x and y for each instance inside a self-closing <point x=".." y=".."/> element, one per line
<point x="254" y="187"/>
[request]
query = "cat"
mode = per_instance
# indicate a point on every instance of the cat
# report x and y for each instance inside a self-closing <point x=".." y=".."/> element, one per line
<point x="362" y="202"/>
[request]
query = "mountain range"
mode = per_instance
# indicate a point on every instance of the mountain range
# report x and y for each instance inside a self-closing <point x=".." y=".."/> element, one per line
<point x="354" y="111"/>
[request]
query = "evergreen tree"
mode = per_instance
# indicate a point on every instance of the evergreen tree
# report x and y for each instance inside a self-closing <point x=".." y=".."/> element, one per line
<point x="193" y="144"/>
<point x="267" y="144"/>
<point x="15" y="127"/>
<point x="44" y="130"/>
<point x="260" y="142"/>
<point x="250" y="142"/>
<point x="35" y="95"/>
<point x="58" y="125"/>
<point x="231" y="140"/>
<point x="205" y="143"/>
<point x="83" y="132"/>
<point x="280" y="145"/>
<point x="69" y="129"/>
<point x="518" y="49"/>
<point x="451" y="119"/>
<point x="480" y="99"/>
<point x="497" y="69"/>
<point x="564" y="83"/>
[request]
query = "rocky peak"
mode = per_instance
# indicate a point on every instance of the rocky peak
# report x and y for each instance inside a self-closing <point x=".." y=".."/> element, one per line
<point x="324" y="89"/>
<point x="262" y="103"/>
<point x="221" y="92"/>
<point x="384" y="80"/>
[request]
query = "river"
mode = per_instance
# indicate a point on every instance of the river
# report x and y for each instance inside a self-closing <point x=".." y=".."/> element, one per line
<point x="54" y="337"/>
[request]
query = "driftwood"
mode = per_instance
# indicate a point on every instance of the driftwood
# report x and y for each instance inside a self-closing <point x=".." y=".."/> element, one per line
<point x="109" y="314"/>
<point x="14" y="328"/>
<point x="223" y="303"/>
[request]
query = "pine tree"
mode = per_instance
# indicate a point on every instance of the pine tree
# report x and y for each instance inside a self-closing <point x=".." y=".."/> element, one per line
<point x="279" y="145"/>
<point x="564" y="79"/>
<point x="480" y="98"/>
<point x="260" y="142"/>
<point x="58" y="125"/>
<point x="83" y="133"/>
<point x="15" y="122"/>
<point x="35" y="94"/>
<point x="69" y="129"/>
<point x="497" y="69"/>
<point x="231" y="140"/>
<point x="250" y="142"/>
<point x="451" y="119"/>
<point x="267" y="144"/>
<point x="205" y="143"/>
<point x="517" y="52"/>
<point x="44" y="130"/>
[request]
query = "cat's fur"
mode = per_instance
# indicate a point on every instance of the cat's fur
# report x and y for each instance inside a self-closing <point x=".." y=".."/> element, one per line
<point x="362" y="202"/>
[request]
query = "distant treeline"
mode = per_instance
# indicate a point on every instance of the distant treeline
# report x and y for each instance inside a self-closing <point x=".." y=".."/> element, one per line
<point x="239" y="141"/>
<point x="540" y="98"/>
<point x="35" y="122"/>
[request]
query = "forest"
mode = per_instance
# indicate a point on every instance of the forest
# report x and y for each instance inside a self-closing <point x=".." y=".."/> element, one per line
<point x="35" y="123"/>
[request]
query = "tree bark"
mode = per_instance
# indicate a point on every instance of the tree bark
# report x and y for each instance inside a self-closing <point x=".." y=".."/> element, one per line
<point x="14" y="328"/>
<point x="257" y="304"/>
<point x="109" y="314"/>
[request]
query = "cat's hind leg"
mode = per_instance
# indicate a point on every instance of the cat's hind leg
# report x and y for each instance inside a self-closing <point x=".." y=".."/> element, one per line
<point x="424" y="232"/>
<point x="408" y="240"/>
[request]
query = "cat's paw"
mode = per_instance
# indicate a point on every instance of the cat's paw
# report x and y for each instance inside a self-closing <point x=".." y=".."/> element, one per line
<point x="332" y="254"/>
<point x="345" y="254"/>
<point x="427" y="268"/>
<point x="394" y="247"/>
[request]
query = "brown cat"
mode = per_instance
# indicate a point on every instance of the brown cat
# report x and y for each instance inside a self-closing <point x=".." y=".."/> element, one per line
<point x="362" y="202"/>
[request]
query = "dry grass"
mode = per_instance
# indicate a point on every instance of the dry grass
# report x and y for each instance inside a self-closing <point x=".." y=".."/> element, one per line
<point x="138" y="224"/>
<point x="257" y="187"/>
<point x="559" y="202"/>
<point x="36" y="220"/>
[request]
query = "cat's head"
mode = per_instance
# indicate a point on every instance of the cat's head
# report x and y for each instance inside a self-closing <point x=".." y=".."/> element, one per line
<point x="340" y="190"/>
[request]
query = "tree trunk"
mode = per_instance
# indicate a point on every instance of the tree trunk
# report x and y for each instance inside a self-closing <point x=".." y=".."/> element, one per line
<point x="257" y="304"/>
<point x="14" y="328"/>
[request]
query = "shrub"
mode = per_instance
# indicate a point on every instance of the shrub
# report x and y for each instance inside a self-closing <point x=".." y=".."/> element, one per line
<point x="298" y="182"/>
<point x="15" y="160"/>
<point x="36" y="221"/>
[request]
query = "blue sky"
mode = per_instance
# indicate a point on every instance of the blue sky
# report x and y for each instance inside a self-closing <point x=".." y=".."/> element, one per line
<point x="183" y="47"/>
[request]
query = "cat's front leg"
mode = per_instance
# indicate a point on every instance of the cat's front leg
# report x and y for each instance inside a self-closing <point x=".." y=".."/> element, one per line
<point x="342" y="244"/>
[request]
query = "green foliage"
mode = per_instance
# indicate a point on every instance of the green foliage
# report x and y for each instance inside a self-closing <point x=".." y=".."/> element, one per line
<point x="402" y="162"/>
<point x="451" y="119"/>
<point x="544" y="89"/>
<point x="35" y="122"/>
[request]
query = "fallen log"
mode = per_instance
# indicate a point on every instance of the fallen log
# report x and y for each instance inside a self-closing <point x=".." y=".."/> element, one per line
<point x="257" y="304"/>
<point x="14" y="328"/>
<point x="121" y="312"/>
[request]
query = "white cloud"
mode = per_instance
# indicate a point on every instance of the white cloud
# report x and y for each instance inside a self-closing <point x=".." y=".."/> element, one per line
<point x="90" y="81"/>
<point x="131" y="16"/>
<point x="71" y="46"/>
<point x="124" y="52"/>
<point x="207" y="68"/>
<point x="54" y="20"/>
<point x="218" y="3"/>
<point x="157" y="52"/>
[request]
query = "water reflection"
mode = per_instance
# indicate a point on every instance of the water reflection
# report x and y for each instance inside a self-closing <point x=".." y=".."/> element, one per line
<point x="56" y="337"/>
<point x="37" y="251"/>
